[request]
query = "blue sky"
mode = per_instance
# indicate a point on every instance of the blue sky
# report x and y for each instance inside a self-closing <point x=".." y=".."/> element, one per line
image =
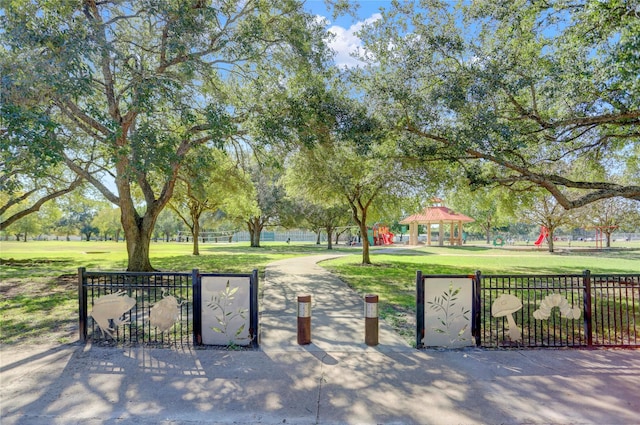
<point x="345" y="27"/>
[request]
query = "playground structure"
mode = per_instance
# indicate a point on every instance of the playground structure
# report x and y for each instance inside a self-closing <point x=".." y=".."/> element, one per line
<point x="544" y="234"/>
<point x="380" y="235"/>
<point x="440" y="215"/>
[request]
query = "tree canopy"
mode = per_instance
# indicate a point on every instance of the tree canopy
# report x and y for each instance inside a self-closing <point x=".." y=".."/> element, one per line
<point x="532" y="88"/>
<point x="121" y="95"/>
<point x="122" y="91"/>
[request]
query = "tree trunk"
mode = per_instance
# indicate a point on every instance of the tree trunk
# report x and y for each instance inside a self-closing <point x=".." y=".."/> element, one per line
<point x="359" y="214"/>
<point x="255" y="241"/>
<point x="318" y="236"/>
<point x="488" y="233"/>
<point x="138" y="250"/>
<point x="195" y="232"/>
<point x="137" y="234"/>
<point x="366" y="259"/>
<point x="329" y="230"/>
<point x="255" y="228"/>
<point x="550" y="238"/>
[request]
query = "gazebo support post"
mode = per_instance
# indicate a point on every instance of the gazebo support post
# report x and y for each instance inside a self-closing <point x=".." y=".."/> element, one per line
<point x="452" y="234"/>
<point x="413" y="233"/>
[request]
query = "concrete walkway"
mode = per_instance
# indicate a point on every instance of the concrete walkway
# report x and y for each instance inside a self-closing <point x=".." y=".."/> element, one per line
<point x="337" y="312"/>
<point x="335" y="380"/>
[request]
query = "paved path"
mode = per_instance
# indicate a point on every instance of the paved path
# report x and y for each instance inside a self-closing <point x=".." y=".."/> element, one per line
<point x="335" y="380"/>
<point x="337" y="312"/>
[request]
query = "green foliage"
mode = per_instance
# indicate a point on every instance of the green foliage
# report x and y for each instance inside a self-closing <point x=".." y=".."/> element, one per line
<point x="531" y="87"/>
<point x="130" y="88"/>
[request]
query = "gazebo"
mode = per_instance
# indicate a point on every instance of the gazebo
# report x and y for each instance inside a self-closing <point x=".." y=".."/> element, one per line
<point x="441" y="215"/>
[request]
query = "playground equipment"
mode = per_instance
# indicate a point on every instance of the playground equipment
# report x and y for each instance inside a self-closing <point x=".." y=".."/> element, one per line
<point x="380" y="235"/>
<point x="544" y="234"/>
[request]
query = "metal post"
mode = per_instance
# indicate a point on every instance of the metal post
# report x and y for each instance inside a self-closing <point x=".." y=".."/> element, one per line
<point x="82" y="305"/>
<point x="254" y="330"/>
<point x="371" y="319"/>
<point x="588" y="323"/>
<point x="196" y="292"/>
<point x="476" y="322"/>
<point x="419" y="309"/>
<point x="304" y="319"/>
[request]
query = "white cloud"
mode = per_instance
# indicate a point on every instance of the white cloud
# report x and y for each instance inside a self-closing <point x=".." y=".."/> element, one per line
<point x="346" y="42"/>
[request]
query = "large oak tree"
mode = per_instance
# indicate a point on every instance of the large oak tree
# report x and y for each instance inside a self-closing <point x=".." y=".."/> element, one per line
<point x="131" y="87"/>
<point x="533" y="88"/>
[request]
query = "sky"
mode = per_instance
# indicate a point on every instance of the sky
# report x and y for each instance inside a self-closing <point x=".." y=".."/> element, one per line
<point x="345" y="27"/>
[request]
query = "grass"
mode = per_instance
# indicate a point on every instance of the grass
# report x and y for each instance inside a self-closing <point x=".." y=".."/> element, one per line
<point x="39" y="283"/>
<point x="392" y="276"/>
<point x="38" y="280"/>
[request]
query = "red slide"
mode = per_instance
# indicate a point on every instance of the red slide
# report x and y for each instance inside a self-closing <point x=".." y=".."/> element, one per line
<point x="543" y="235"/>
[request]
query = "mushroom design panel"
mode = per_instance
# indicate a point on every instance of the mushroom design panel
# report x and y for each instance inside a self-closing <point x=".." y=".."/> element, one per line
<point x="504" y="306"/>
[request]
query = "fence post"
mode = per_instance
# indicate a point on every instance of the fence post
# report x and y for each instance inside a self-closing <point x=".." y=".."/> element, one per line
<point x="82" y="305"/>
<point x="196" y="293"/>
<point x="419" y="309"/>
<point x="588" y="323"/>
<point x="253" y="302"/>
<point x="476" y="328"/>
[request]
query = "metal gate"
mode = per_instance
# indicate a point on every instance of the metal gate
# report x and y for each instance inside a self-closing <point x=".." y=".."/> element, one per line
<point x="165" y="309"/>
<point x="581" y="310"/>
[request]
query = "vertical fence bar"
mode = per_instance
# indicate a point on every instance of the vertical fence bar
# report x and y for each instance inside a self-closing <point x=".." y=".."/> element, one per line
<point x="419" y="309"/>
<point x="82" y="305"/>
<point x="196" y="282"/>
<point x="634" y="304"/>
<point x="588" y="329"/>
<point x="253" y="302"/>
<point x="476" y="328"/>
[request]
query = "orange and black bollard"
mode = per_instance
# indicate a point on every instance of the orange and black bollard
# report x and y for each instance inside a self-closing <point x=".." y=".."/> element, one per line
<point x="304" y="319"/>
<point x="371" y="319"/>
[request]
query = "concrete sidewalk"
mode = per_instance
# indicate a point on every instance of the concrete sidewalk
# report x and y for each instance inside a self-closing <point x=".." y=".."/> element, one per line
<point x="337" y="312"/>
<point x="335" y="380"/>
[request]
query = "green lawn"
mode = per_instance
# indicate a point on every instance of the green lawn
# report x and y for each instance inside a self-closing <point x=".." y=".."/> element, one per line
<point x="51" y="258"/>
<point x="39" y="294"/>
<point x="38" y="279"/>
<point x="392" y="276"/>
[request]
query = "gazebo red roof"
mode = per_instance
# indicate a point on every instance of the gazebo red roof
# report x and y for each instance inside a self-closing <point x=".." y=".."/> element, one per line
<point x="437" y="215"/>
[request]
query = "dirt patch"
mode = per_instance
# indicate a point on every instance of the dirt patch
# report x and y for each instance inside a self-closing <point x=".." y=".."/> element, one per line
<point x="39" y="310"/>
<point x="38" y="286"/>
<point x="28" y="262"/>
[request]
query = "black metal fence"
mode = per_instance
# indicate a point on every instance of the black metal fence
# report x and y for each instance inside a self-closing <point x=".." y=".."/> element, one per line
<point x="157" y="308"/>
<point x="582" y="310"/>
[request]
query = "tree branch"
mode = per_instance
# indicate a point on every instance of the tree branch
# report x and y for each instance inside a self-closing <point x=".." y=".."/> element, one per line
<point x="36" y="206"/>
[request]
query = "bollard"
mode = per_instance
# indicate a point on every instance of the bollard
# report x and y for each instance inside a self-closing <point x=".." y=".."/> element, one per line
<point x="371" y="319"/>
<point x="304" y="319"/>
